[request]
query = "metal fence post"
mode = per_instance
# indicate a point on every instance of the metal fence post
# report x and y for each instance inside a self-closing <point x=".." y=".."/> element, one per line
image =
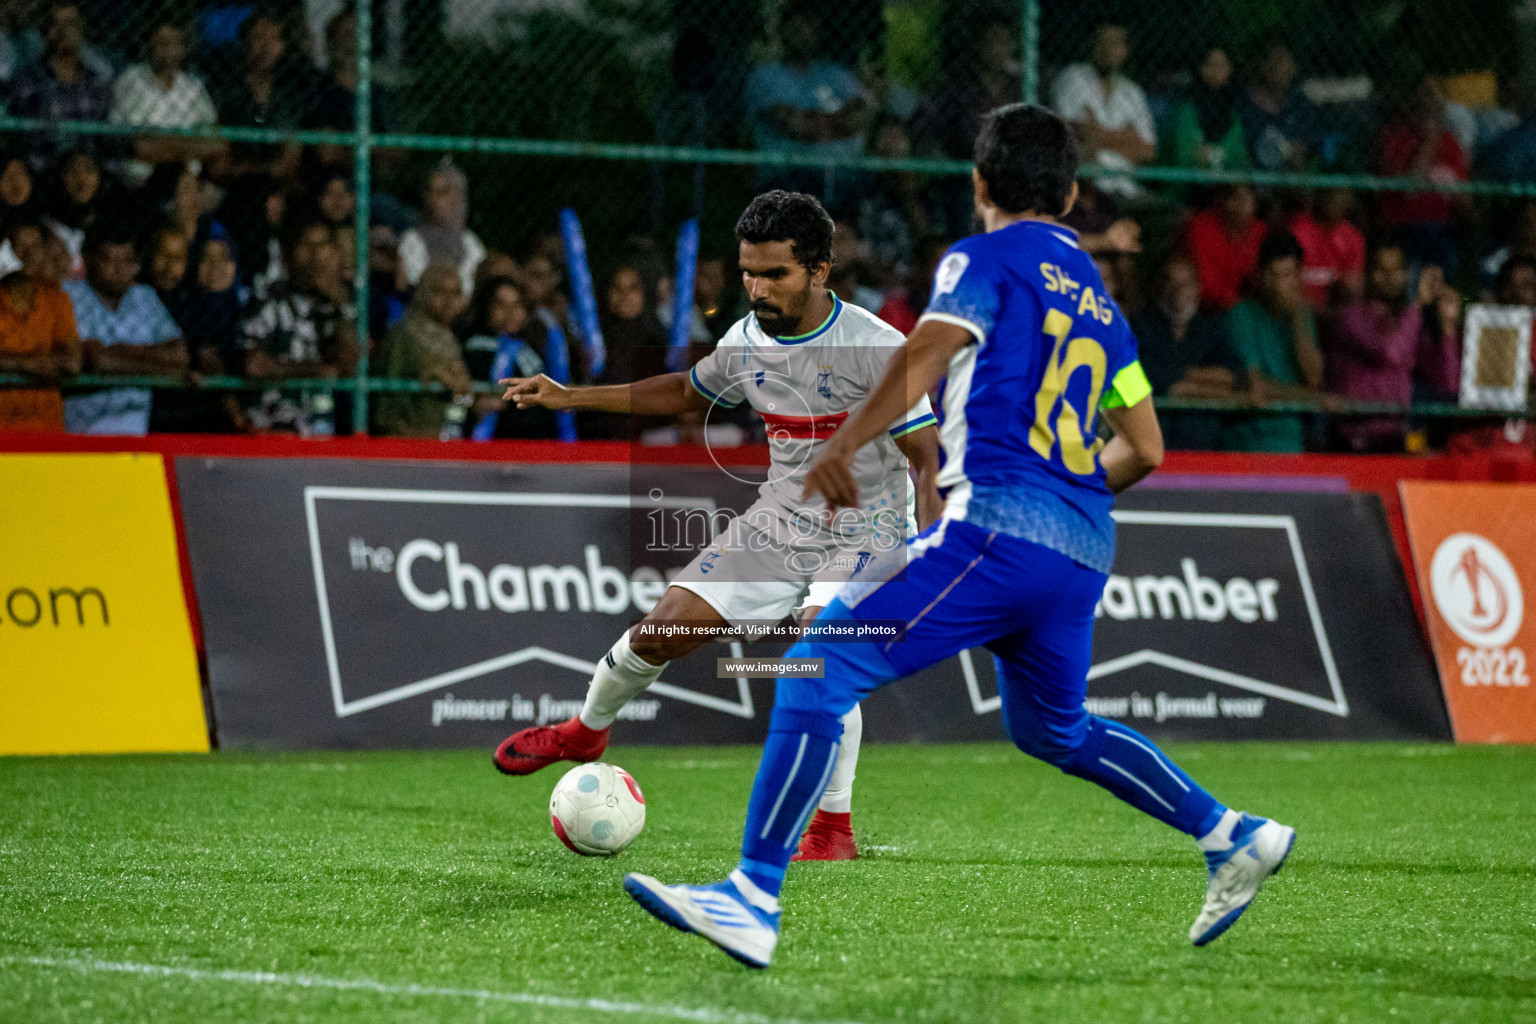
<point x="363" y="130"/>
<point x="1029" y="50"/>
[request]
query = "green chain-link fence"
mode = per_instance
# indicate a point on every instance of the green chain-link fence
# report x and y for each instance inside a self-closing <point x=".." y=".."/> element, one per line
<point x="642" y="113"/>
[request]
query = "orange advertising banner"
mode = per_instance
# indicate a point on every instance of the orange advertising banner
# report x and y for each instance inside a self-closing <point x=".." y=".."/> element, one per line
<point x="1474" y="546"/>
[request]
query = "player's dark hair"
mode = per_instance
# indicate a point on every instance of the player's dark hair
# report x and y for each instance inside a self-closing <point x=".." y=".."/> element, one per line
<point x="1027" y="156"/>
<point x="1279" y="244"/>
<point x="792" y="217"/>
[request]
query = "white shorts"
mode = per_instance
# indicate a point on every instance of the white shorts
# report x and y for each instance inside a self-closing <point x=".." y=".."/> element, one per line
<point x="759" y="568"/>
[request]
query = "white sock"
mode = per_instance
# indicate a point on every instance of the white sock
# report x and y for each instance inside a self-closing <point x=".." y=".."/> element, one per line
<point x="620" y="676"/>
<point x="754" y="895"/>
<point x="838" y="799"/>
<point x="1220" y="837"/>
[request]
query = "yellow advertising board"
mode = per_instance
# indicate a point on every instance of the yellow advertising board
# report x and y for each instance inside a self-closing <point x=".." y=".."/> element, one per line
<point x="96" y="653"/>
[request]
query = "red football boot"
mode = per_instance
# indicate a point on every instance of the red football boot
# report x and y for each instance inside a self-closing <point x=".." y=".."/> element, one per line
<point x="525" y="752"/>
<point x="830" y="837"/>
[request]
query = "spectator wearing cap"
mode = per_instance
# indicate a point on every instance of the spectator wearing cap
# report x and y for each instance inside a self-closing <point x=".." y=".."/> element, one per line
<point x="60" y="85"/>
<point x="443" y="236"/>
<point x="1223" y="240"/>
<point x="37" y="335"/>
<point x="1108" y="110"/>
<point x="1273" y="338"/>
<point x="1333" y="264"/>
<point x="1280" y="123"/>
<point x="125" y="329"/>
<point x="159" y="93"/>
<point x="1375" y="342"/>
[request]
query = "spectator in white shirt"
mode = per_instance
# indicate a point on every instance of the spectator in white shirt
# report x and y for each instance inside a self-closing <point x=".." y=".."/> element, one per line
<point x="1109" y="110"/>
<point x="159" y="94"/>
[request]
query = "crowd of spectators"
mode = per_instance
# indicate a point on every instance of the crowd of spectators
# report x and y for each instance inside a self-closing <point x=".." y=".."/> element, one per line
<point x="156" y="255"/>
<point x="1239" y="295"/>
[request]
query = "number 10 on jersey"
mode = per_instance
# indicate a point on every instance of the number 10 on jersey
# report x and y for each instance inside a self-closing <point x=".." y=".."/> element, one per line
<point x="1066" y="426"/>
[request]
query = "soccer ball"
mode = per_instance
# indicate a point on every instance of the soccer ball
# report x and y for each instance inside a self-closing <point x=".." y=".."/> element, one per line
<point x="597" y="809"/>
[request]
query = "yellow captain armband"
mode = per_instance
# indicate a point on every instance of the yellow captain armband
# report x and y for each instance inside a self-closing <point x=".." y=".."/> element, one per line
<point x="1129" y="387"/>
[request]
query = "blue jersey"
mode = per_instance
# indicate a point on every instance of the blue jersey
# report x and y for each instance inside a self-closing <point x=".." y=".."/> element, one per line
<point x="1020" y="408"/>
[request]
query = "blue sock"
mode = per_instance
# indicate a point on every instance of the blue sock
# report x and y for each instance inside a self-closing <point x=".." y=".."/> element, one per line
<point x="797" y="762"/>
<point x="1130" y="766"/>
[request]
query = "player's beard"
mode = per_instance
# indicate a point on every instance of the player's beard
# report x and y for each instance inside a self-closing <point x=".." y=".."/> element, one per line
<point x="780" y="323"/>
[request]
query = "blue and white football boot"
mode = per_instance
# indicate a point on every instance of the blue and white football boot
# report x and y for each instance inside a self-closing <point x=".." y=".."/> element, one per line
<point x="1259" y="848"/>
<point x="734" y="914"/>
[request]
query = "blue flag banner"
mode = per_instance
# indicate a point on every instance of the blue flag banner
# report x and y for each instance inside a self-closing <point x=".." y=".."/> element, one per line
<point x="501" y="368"/>
<point x="682" y="307"/>
<point x="582" y="293"/>
<point x="557" y="365"/>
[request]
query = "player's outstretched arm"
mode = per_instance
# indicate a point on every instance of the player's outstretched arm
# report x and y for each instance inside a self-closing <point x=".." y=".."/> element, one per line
<point x="912" y="372"/>
<point x="669" y="394"/>
<point x="1137" y="447"/>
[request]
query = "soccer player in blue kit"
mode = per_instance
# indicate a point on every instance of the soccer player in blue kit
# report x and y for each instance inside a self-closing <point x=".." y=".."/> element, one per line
<point x="1034" y="349"/>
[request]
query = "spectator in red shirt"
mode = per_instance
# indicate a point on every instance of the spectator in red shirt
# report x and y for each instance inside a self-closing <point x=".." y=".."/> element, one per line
<point x="1333" y="262"/>
<point x="1223" y="241"/>
<point x="1417" y="144"/>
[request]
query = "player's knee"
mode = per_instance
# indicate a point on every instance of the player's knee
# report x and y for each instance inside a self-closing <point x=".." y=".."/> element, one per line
<point x="811" y="695"/>
<point x="656" y="650"/>
<point x="1051" y="748"/>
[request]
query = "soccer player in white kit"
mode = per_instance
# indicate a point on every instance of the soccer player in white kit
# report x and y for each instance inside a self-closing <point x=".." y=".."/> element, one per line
<point x="804" y="360"/>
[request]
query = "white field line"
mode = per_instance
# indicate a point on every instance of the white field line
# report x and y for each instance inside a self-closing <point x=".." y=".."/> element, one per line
<point x="705" y="1015"/>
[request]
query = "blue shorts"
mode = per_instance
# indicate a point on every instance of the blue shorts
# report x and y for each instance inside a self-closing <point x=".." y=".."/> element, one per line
<point x="965" y="587"/>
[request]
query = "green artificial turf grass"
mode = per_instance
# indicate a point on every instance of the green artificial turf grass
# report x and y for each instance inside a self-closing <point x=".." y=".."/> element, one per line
<point x="993" y="888"/>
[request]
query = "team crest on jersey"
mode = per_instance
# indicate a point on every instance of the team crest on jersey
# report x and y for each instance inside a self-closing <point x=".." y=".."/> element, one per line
<point x="824" y="381"/>
<point x="949" y="272"/>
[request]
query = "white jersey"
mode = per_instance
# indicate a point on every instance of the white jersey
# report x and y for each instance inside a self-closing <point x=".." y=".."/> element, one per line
<point x="806" y="387"/>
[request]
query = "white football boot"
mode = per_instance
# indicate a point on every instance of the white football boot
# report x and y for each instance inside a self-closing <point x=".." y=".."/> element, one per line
<point x="1259" y="848"/>
<point x="734" y="914"/>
